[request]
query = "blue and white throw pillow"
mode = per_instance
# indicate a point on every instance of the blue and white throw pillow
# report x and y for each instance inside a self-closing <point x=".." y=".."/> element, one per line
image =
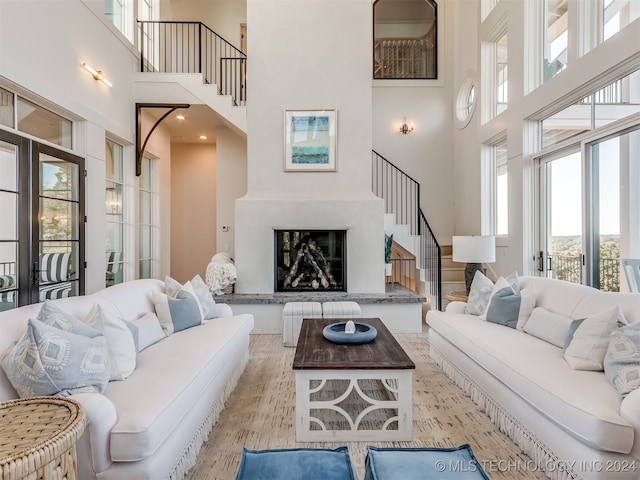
<point x="622" y="361"/>
<point x="51" y="361"/>
<point x="207" y="303"/>
<point x="508" y="305"/>
<point x="52" y="315"/>
<point x="180" y="312"/>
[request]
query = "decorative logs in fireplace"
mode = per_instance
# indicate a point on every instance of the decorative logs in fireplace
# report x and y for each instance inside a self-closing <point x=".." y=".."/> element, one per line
<point x="310" y="260"/>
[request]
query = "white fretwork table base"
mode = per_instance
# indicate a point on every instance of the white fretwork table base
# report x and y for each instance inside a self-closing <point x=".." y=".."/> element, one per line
<point x="392" y="401"/>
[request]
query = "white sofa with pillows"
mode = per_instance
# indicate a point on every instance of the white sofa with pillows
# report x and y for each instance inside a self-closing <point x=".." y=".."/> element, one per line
<point x="151" y="363"/>
<point x="555" y="365"/>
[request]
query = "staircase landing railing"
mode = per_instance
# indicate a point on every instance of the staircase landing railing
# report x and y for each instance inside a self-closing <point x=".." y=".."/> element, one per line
<point x="192" y="47"/>
<point x="401" y="196"/>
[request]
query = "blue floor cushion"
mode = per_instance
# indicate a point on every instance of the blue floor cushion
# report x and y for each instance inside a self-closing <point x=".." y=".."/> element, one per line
<point x="423" y="464"/>
<point x="296" y="464"/>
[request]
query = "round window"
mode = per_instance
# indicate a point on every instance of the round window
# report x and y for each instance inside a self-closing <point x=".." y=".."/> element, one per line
<point x="465" y="103"/>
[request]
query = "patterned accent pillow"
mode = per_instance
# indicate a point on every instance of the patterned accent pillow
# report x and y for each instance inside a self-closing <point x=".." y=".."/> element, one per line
<point x="622" y="361"/>
<point x="51" y="361"/>
<point x="481" y="289"/>
<point x="179" y="313"/>
<point x="53" y="316"/>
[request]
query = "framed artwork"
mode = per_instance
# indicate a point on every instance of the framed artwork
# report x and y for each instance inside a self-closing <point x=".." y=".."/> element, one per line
<point x="310" y="140"/>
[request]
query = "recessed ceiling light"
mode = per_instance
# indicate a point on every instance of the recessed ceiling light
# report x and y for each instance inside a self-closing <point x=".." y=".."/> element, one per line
<point x="203" y="137"/>
<point x="180" y="117"/>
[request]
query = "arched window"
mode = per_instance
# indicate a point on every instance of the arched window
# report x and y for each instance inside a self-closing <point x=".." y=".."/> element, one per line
<point x="405" y="39"/>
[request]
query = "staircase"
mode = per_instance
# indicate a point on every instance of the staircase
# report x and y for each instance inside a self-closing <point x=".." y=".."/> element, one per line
<point x="406" y="221"/>
<point x="188" y="63"/>
<point x="452" y="275"/>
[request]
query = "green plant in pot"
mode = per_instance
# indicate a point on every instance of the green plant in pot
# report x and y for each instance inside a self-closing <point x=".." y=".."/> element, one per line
<point x="388" y="240"/>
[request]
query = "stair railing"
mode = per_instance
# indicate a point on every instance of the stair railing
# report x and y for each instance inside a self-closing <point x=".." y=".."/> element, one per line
<point x="401" y="196"/>
<point x="192" y="47"/>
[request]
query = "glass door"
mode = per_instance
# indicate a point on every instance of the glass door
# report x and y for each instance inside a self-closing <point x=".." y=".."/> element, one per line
<point x="614" y="209"/>
<point x="12" y="147"/>
<point x="59" y="268"/>
<point x="561" y="255"/>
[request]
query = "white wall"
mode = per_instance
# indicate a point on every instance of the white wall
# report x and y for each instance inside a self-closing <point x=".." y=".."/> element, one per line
<point x="427" y="153"/>
<point x="231" y="184"/>
<point x="222" y="16"/>
<point x="306" y="66"/>
<point x="193" y="209"/>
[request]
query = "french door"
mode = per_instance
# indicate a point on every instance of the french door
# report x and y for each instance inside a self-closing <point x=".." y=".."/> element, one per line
<point x="561" y="241"/>
<point x="589" y="211"/>
<point x="42" y="222"/>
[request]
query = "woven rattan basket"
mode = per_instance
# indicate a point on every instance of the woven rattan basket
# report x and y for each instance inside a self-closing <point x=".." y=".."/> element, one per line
<point x="38" y="438"/>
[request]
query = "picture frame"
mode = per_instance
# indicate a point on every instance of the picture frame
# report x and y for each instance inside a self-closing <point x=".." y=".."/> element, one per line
<point x="310" y="140"/>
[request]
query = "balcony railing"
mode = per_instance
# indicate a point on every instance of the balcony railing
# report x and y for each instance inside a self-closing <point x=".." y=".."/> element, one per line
<point x="192" y="47"/>
<point x="569" y="268"/>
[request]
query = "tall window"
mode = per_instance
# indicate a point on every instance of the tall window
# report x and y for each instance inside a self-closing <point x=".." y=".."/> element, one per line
<point x="114" y="10"/>
<point x="617" y="14"/>
<point x="496" y="188"/>
<point x="123" y="14"/>
<point x="495" y="72"/>
<point x="405" y="39"/>
<point x="611" y="103"/>
<point x="42" y="123"/>
<point x="114" y="213"/>
<point x="556" y="37"/>
<point x="148" y="220"/>
<point x="502" y="189"/>
<point x="502" y="74"/>
<point x="589" y="208"/>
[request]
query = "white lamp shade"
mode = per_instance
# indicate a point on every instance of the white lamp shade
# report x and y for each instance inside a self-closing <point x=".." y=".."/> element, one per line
<point x="474" y="249"/>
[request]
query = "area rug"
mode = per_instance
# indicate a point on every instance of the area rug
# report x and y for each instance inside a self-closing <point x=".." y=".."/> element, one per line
<point x="260" y="414"/>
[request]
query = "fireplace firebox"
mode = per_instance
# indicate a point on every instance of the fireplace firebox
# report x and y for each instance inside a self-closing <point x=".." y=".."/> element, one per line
<point x="310" y="260"/>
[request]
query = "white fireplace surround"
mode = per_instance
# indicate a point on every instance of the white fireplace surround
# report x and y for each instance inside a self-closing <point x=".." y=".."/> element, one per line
<point x="259" y="214"/>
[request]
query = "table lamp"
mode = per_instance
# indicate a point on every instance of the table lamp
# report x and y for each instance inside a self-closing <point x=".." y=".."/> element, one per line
<point x="474" y="250"/>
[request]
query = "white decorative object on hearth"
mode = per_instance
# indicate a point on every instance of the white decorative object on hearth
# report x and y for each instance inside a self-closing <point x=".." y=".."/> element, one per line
<point x="221" y="272"/>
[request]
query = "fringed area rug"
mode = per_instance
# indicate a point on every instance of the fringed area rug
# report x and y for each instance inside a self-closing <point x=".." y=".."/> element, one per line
<point x="260" y="414"/>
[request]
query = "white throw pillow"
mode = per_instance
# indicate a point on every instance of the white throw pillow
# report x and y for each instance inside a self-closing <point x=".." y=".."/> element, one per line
<point x="551" y="327"/>
<point x="590" y="341"/>
<point x="179" y="313"/>
<point x="527" y="305"/>
<point x="122" y="347"/>
<point x="149" y="330"/>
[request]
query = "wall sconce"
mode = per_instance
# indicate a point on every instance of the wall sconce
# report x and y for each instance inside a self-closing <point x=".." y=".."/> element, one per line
<point x="97" y="74"/>
<point x="405" y="128"/>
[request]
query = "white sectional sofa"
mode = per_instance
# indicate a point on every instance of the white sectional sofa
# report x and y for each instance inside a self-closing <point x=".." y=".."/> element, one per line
<point x="572" y="423"/>
<point x="152" y="424"/>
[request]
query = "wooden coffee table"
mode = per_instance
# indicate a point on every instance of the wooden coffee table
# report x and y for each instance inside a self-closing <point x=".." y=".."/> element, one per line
<point x="352" y="392"/>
